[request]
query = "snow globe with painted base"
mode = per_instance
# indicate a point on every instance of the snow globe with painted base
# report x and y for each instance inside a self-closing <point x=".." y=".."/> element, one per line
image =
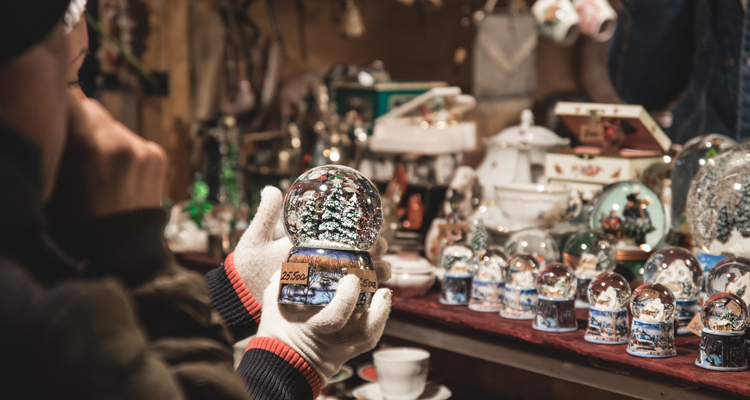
<point x="332" y="215"/>
<point x="722" y="347"/>
<point x="458" y="261"/>
<point x="678" y="270"/>
<point x="731" y="275"/>
<point x="608" y="294"/>
<point x="589" y="254"/>
<point x="535" y="242"/>
<point x="555" y="308"/>
<point x="652" y="332"/>
<point x="519" y="301"/>
<point x="488" y="286"/>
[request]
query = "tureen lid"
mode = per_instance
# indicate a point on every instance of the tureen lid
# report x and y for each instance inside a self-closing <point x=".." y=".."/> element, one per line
<point x="528" y="135"/>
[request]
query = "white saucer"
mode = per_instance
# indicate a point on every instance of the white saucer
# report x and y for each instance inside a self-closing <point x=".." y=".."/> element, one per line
<point x="371" y="391"/>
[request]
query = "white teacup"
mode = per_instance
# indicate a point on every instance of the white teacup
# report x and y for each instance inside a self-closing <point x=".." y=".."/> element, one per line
<point x="529" y="205"/>
<point x="598" y="19"/>
<point x="557" y="20"/>
<point x="402" y="372"/>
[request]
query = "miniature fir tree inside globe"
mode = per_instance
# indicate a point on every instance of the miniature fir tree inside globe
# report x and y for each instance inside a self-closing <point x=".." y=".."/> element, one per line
<point x="535" y="242"/>
<point x="609" y="291"/>
<point x="556" y="280"/>
<point x="491" y="263"/>
<point x="521" y="271"/>
<point x="718" y="204"/>
<point x="724" y="312"/>
<point x="652" y="302"/>
<point x="590" y="253"/>
<point x="333" y="207"/>
<point x="731" y="275"/>
<point x="677" y="269"/>
<point x="458" y="259"/>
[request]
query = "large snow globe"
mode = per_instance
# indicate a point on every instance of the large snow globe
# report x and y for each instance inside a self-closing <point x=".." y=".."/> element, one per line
<point x="652" y="333"/>
<point x="535" y="242"/>
<point x="555" y="309"/>
<point x="520" y="297"/>
<point x="678" y="270"/>
<point x="488" y="286"/>
<point x="731" y="275"/>
<point x="608" y="294"/>
<point x="723" y="346"/>
<point x="589" y="253"/>
<point x="332" y="215"/>
<point x="718" y="204"/>
<point x="458" y="261"/>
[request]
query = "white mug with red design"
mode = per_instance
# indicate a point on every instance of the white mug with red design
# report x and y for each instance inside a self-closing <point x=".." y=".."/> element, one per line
<point x="598" y="19"/>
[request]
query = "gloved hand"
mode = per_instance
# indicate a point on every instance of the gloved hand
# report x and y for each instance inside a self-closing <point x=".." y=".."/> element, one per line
<point x="328" y="337"/>
<point x="257" y="255"/>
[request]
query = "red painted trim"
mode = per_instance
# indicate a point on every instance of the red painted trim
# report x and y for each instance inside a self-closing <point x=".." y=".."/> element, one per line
<point x="292" y="357"/>
<point x="251" y="305"/>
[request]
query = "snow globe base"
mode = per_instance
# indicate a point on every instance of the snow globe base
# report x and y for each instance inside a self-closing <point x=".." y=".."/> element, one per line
<point x="456" y="289"/>
<point x="684" y="311"/>
<point x="555" y="315"/>
<point x="607" y="326"/>
<point x="652" y="339"/>
<point x="324" y="268"/>
<point x="722" y="351"/>
<point x="486" y="296"/>
<point x="519" y="303"/>
<point x="582" y="300"/>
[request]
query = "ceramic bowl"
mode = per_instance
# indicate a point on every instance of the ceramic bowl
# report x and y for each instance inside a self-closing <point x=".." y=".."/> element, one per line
<point x="528" y="205"/>
<point x="411" y="276"/>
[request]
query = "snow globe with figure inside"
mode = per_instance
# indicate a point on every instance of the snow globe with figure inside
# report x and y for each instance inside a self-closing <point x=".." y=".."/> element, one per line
<point x="589" y="253"/>
<point x="652" y="333"/>
<point x="332" y="215"/>
<point x="458" y="261"/>
<point x="488" y="286"/>
<point x="722" y="347"/>
<point x="555" y="308"/>
<point x="520" y="298"/>
<point x="731" y="275"/>
<point x="608" y="294"/>
<point x="678" y="270"/>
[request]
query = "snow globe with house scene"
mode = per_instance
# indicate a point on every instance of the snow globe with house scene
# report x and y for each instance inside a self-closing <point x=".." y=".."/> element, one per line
<point x="589" y="253"/>
<point x="332" y="215"/>
<point x="555" y="309"/>
<point x="723" y="345"/>
<point x="678" y="270"/>
<point x="488" y="285"/>
<point x="652" y="332"/>
<point x="608" y="294"/>
<point x="520" y="299"/>
<point x="731" y="275"/>
<point x="459" y="264"/>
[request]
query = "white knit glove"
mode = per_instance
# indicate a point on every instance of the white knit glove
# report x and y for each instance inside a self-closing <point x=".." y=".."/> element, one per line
<point x="257" y="255"/>
<point x="326" y="337"/>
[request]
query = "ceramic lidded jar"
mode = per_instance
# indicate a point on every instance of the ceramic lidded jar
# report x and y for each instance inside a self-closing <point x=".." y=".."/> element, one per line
<point x="332" y="215"/>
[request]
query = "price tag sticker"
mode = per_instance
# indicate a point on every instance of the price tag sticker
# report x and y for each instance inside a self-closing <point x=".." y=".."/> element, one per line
<point x="295" y="273"/>
<point x="592" y="133"/>
<point x="696" y="325"/>
<point x="367" y="279"/>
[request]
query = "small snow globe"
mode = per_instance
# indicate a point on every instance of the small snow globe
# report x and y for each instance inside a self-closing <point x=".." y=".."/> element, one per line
<point x="556" y="281"/>
<point x="332" y="215"/>
<point x="458" y="261"/>
<point x="609" y="291"/>
<point x="723" y="346"/>
<point x="555" y="309"/>
<point x="535" y="242"/>
<point x="608" y="295"/>
<point x="488" y="286"/>
<point x="652" y="333"/>
<point x="678" y="270"/>
<point x="520" y="299"/>
<point x="718" y="204"/>
<point x="731" y="275"/>
<point x="652" y="302"/>
<point x="589" y="253"/>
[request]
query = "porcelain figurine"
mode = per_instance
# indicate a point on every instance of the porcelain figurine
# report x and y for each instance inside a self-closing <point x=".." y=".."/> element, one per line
<point x="608" y="295"/>
<point x="652" y="333"/>
<point x="722" y="347"/>
<point x="520" y="299"/>
<point x="555" y="309"/>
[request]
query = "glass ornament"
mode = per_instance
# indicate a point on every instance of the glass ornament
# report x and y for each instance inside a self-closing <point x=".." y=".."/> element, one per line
<point x="521" y="271"/>
<point x="458" y="259"/>
<point x="652" y="302"/>
<point x="333" y="207"/>
<point x="677" y="269"/>
<point x="718" y="204"/>
<point x="609" y="291"/>
<point x="695" y="154"/>
<point x="724" y="312"/>
<point x="535" y="242"/>
<point x="556" y="280"/>
<point x="490" y="264"/>
<point x="589" y="254"/>
<point x="731" y="275"/>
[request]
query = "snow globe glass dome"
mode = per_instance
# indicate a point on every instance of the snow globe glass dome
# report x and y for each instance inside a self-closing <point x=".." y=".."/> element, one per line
<point x="718" y="203"/>
<point x="491" y="263"/>
<point x="333" y="207"/>
<point x="556" y="280"/>
<point x="458" y="259"/>
<point x="652" y="302"/>
<point x="677" y="269"/>
<point x="535" y="242"/>
<point x="724" y="312"/>
<point x="521" y="271"/>
<point x="609" y="291"/>
<point x="731" y="275"/>
<point x="590" y="253"/>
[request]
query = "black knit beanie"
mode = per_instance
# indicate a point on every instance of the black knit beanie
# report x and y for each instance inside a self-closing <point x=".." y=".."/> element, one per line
<point x="23" y="23"/>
